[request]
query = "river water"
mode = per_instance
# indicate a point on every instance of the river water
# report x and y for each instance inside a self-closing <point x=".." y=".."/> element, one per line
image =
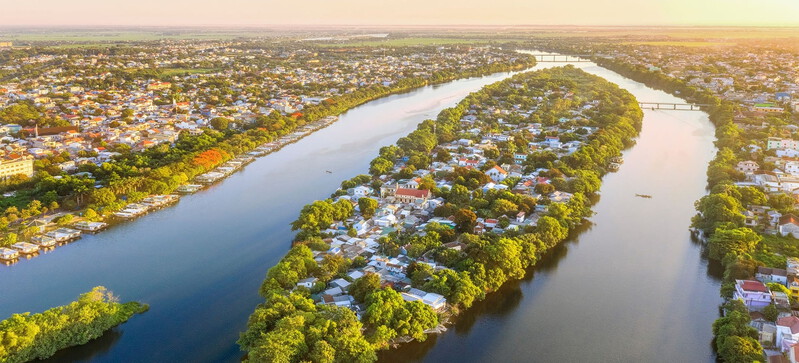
<point x="632" y="287"/>
<point x="199" y="264"/>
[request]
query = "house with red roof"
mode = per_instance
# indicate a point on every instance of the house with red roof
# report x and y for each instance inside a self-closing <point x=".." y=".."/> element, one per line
<point x="787" y="332"/>
<point x="497" y="174"/>
<point x="754" y="293"/>
<point x="793" y="354"/>
<point x="418" y="196"/>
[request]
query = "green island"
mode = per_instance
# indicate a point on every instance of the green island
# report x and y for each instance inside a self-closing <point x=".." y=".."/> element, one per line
<point x="26" y="337"/>
<point x="484" y="190"/>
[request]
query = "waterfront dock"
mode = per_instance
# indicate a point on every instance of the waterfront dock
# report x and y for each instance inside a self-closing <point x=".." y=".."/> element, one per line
<point x="90" y="226"/>
<point x="26" y="248"/>
<point x="8" y="254"/>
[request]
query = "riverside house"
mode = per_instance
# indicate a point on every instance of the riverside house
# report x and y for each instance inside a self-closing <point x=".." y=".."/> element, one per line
<point x="754" y="293"/>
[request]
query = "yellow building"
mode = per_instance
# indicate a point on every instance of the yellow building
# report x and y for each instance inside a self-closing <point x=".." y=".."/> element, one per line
<point x="6" y="44"/>
<point x="13" y="166"/>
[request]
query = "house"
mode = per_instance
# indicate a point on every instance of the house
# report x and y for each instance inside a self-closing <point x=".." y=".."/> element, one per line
<point x="767" y="274"/>
<point x="497" y="174"/>
<point x="433" y="300"/>
<point x="343" y="284"/>
<point x="355" y="274"/>
<point x="335" y="291"/>
<point x="750" y="218"/>
<point x="777" y="358"/>
<point x="308" y="283"/>
<point x="793" y="285"/>
<point x="361" y="191"/>
<point x="386" y="220"/>
<point x="787" y="332"/>
<point x="747" y="166"/>
<point x="766" y="330"/>
<point x="793" y="354"/>
<point x="418" y="196"/>
<point x="560" y="197"/>
<point x="792" y="265"/>
<point x="754" y="293"/>
<point x="789" y="224"/>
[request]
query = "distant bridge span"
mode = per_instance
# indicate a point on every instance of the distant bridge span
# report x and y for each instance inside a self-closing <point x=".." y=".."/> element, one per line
<point x="673" y="106"/>
<point x="561" y="58"/>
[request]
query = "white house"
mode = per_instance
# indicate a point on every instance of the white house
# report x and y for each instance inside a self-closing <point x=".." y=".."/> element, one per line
<point x="433" y="300"/>
<point x="309" y="282"/>
<point x="789" y="224"/>
<point x="497" y="174"/>
<point x="386" y="220"/>
<point x="753" y="293"/>
<point x="787" y="153"/>
<point x="793" y="353"/>
<point x="767" y="274"/>
<point x="560" y="197"/>
<point x="787" y="332"/>
<point x="747" y="166"/>
<point x="361" y="191"/>
<point x="777" y="143"/>
<point x="343" y="284"/>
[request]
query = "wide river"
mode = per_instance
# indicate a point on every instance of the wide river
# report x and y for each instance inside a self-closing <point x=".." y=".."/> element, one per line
<point x="631" y="288"/>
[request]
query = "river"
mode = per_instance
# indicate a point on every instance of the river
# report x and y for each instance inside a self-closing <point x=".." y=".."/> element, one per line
<point x="631" y="286"/>
<point x="199" y="264"/>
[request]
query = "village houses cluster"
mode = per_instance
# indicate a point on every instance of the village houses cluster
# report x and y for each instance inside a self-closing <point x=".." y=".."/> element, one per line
<point x="403" y="207"/>
<point x="765" y="79"/>
<point x="147" y="97"/>
<point x="782" y="334"/>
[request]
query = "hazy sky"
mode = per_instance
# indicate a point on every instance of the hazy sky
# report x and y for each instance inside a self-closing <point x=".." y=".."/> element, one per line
<point x="399" y="12"/>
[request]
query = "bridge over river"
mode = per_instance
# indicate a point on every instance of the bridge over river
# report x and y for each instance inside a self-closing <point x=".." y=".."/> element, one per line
<point x="672" y="106"/>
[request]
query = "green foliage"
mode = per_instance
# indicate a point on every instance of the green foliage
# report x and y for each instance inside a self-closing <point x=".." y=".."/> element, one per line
<point x="718" y="209"/>
<point x="782" y="202"/>
<point x="363" y="286"/>
<point x="398" y="317"/>
<point x="771" y="313"/>
<point x="367" y="206"/>
<point x="465" y="221"/>
<point x="220" y="123"/>
<point x="291" y="328"/>
<point x="738" y="241"/>
<point x="457" y="287"/>
<point x="25" y="337"/>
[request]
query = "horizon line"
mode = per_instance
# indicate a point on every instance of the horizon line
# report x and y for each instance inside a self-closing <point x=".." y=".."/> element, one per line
<point x="389" y="26"/>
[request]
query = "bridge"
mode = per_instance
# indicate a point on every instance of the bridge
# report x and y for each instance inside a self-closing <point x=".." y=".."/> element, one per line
<point x="672" y="106"/>
<point x="562" y="58"/>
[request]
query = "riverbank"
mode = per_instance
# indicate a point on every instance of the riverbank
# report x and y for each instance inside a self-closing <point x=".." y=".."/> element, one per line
<point x="106" y="202"/>
<point x="439" y="280"/>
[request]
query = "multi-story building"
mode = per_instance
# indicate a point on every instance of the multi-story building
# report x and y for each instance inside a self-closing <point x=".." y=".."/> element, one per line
<point x="11" y="166"/>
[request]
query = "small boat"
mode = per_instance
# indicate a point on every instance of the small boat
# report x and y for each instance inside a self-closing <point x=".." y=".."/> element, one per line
<point x="643" y="195"/>
<point x="328" y="171"/>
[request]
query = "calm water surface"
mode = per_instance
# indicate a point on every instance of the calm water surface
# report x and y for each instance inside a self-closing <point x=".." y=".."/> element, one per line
<point x="199" y="264"/>
<point x="631" y="287"/>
